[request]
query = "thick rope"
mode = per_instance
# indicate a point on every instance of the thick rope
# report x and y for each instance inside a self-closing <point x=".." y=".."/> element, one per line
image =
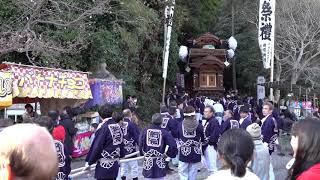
<point x="81" y="171"/>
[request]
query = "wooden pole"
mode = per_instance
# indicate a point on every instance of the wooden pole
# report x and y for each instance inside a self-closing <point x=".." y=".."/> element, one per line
<point x="168" y="21"/>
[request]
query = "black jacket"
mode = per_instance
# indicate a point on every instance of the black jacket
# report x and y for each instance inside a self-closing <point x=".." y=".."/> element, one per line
<point x="70" y="129"/>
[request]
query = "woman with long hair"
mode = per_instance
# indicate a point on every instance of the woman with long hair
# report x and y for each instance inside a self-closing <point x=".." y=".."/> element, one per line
<point x="235" y="149"/>
<point x="305" y="143"/>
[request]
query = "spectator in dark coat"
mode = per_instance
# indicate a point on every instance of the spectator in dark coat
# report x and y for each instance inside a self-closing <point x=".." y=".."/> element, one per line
<point x="70" y="130"/>
<point x="69" y="126"/>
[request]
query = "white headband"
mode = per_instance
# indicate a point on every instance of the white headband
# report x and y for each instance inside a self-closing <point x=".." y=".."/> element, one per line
<point x="190" y="114"/>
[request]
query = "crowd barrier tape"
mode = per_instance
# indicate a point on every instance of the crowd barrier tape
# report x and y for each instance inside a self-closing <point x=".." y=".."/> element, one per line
<point x="81" y="171"/>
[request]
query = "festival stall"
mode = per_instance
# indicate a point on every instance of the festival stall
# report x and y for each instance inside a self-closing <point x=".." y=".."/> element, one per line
<point x="53" y="88"/>
<point x="5" y="89"/>
<point x="301" y="109"/>
<point x="82" y="139"/>
<point x="57" y="88"/>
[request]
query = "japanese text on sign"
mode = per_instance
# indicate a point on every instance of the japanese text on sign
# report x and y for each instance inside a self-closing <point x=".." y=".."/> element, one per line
<point x="266" y="30"/>
<point x="49" y="83"/>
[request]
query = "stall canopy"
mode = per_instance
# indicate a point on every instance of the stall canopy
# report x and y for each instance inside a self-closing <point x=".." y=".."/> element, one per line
<point x="32" y="82"/>
<point x="5" y="89"/>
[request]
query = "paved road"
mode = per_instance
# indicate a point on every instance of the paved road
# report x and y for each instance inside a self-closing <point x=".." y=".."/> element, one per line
<point x="278" y="162"/>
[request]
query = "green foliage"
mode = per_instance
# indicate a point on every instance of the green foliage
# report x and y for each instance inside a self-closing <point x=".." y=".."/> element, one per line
<point x="198" y="16"/>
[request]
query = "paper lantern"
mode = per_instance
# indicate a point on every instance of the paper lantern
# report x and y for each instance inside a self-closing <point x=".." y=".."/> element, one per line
<point x="232" y="43"/>
<point x="230" y="53"/>
<point x="183" y="53"/>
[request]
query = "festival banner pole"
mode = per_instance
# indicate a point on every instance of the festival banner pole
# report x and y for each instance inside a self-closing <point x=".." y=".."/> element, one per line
<point x="168" y="22"/>
<point x="267" y="35"/>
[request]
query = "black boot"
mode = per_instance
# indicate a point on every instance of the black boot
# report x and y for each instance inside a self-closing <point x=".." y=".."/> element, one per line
<point x="123" y="178"/>
<point x="135" y="178"/>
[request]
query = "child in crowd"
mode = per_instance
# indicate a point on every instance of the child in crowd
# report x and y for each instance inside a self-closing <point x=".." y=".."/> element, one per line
<point x="261" y="158"/>
<point x="93" y="129"/>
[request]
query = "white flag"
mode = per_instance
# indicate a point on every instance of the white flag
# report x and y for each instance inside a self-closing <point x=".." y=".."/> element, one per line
<point x="261" y="91"/>
<point x="266" y="31"/>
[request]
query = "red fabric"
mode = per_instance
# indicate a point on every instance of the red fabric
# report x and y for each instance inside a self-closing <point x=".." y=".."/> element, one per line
<point x="59" y="133"/>
<point x="312" y="173"/>
<point x="24" y="100"/>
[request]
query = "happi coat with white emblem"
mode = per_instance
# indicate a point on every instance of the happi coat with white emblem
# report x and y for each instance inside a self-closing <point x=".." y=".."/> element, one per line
<point x="155" y="144"/>
<point x="107" y="148"/>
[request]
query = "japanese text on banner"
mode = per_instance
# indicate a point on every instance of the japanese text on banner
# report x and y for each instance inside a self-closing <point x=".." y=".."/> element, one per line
<point x="266" y="30"/>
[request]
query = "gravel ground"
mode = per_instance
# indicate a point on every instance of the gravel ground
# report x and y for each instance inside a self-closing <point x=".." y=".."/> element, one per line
<point x="278" y="162"/>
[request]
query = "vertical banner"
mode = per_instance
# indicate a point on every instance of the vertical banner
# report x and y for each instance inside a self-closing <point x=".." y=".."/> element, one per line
<point x="168" y="22"/>
<point x="267" y="31"/>
<point x="261" y="92"/>
<point x="5" y="89"/>
<point x="180" y="80"/>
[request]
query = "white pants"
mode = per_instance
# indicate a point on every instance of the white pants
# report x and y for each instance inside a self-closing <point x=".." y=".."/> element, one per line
<point x="188" y="171"/>
<point x="210" y="156"/>
<point x="175" y="161"/>
<point x="271" y="173"/>
<point x="163" y="178"/>
<point x="124" y="169"/>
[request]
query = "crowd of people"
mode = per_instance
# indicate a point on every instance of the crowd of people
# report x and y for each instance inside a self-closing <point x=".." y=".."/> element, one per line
<point x="231" y="138"/>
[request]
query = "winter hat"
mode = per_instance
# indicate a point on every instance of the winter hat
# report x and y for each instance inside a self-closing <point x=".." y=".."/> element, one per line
<point x="190" y="123"/>
<point x="157" y="119"/>
<point x="59" y="133"/>
<point x="254" y="130"/>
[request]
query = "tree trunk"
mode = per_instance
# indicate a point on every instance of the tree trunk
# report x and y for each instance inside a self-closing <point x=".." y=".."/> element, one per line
<point x="295" y="77"/>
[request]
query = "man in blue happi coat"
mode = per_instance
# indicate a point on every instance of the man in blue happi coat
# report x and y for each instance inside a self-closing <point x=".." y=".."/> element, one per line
<point x="191" y="137"/>
<point x="155" y="145"/>
<point x="131" y="140"/>
<point x="269" y="127"/>
<point x="107" y="147"/>
<point x="211" y="135"/>
<point x="245" y="119"/>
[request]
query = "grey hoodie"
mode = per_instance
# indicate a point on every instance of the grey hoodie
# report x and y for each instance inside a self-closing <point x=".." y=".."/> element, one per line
<point x="261" y="160"/>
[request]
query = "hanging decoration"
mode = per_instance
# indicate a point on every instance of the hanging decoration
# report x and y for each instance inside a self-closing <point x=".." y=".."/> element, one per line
<point x="232" y="43"/>
<point x="226" y="63"/>
<point x="230" y="53"/>
<point x="183" y="53"/>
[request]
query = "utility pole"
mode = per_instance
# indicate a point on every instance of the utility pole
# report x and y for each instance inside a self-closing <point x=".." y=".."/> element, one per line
<point x="234" y="75"/>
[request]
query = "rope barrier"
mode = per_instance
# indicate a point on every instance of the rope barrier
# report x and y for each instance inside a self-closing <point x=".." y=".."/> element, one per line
<point x="81" y="171"/>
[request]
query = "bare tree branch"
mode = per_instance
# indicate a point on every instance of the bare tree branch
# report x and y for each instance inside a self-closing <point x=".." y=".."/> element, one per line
<point x="21" y="33"/>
